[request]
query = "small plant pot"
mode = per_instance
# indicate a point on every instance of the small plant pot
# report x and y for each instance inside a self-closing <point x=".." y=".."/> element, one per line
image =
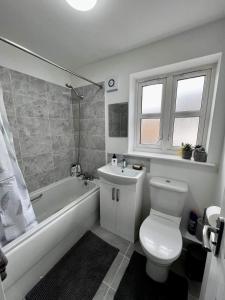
<point x="200" y="156"/>
<point x="186" y="154"/>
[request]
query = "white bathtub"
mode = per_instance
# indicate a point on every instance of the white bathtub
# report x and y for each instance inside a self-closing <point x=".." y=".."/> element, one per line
<point x="65" y="211"/>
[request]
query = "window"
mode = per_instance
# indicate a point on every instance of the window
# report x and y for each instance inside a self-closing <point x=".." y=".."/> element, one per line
<point x="172" y="109"/>
<point x="150" y="112"/>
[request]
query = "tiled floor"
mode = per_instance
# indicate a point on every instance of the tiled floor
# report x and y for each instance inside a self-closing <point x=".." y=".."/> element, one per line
<point x="112" y="279"/>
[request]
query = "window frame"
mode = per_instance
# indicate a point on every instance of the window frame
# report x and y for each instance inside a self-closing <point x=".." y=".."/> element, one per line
<point x="140" y="116"/>
<point x="202" y="113"/>
<point x="167" y="120"/>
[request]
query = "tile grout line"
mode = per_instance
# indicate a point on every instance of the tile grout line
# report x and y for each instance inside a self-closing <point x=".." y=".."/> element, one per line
<point x="49" y="126"/>
<point x="124" y="258"/>
<point x="110" y="285"/>
<point x="15" y="113"/>
<point x="75" y="153"/>
<point x="105" y="283"/>
<point x="106" y="294"/>
<point x="112" y="289"/>
<point x="128" y="248"/>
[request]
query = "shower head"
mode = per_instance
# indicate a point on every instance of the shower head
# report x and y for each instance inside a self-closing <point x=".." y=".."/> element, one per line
<point x="73" y="89"/>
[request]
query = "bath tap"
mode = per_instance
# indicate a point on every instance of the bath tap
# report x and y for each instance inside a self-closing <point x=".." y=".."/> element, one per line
<point x="86" y="176"/>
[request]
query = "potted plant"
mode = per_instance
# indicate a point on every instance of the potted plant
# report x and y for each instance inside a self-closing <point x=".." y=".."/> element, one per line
<point x="187" y="151"/>
<point x="200" y="154"/>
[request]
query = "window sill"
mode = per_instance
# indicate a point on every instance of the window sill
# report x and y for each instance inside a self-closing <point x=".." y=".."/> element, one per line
<point x="170" y="157"/>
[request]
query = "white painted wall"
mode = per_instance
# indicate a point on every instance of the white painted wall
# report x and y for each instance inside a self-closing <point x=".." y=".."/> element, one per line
<point x="15" y="59"/>
<point x="221" y="178"/>
<point x="201" y="41"/>
<point x="201" y="181"/>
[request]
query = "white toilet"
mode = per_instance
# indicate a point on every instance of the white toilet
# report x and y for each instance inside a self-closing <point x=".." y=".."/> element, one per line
<point x="159" y="234"/>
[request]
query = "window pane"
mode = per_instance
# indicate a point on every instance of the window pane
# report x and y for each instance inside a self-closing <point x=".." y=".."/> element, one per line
<point x="150" y="131"/>
<point x="152" y="98"/>
<point x="189" y="93"/>
<point x="185" y="131"/>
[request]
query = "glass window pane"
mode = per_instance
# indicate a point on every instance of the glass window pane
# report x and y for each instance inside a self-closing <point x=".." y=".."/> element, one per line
<point x="189" y="93"/>
<point x="150" y="131"/>
<point x="185" y="131"/>
<point x="152" y="98"/>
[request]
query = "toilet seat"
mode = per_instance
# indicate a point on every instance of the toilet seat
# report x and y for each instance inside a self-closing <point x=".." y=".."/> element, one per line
<point x="161" y="239"/>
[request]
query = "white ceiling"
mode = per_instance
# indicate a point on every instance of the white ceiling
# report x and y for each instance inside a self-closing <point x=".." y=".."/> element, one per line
<point x="71" y="38"/>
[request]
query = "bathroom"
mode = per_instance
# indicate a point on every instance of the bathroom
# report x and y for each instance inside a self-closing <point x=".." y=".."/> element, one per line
<point x="99" y="198"/>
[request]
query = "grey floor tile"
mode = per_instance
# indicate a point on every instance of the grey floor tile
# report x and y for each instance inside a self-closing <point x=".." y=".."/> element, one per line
<point x="101" y="292"/>
<point x="130" y="250"/>
<point x="194" y="288"/>
<point x="190" y="297"/>
<point x="113" y="269"/>
<point x="115" y="274"/>
<point x="119" y="274"/>
<point x="110" y="294"/>
<point x="138" y="248"/>
<point x="178" y="266"/>
<point x="134" y="247"/>
<point x="111" y="238"/>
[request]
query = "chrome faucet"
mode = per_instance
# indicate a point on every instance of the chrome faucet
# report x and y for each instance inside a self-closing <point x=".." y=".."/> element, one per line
<point x="124" y="163"/>
<point x="87" y="176"/>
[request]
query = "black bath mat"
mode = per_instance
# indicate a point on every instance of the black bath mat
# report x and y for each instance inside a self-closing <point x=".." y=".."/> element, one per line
<point x="78" y="275"/>
<point x="136" y="285"/>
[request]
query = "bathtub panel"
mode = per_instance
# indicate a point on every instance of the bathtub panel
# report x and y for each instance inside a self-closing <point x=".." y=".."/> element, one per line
<point x="26" y="260"/>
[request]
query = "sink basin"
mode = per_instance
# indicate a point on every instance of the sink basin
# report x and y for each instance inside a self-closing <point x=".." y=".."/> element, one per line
<point x="117" y="175"/>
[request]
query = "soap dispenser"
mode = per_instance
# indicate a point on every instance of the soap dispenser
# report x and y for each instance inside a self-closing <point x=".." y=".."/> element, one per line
<point x="114" y="160"/>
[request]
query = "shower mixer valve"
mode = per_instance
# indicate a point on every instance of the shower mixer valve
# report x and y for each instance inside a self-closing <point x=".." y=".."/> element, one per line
<point x="76" y="170"/>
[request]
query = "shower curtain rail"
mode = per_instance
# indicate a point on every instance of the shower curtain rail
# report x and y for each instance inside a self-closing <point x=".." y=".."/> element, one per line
<point x="47" y="60"/>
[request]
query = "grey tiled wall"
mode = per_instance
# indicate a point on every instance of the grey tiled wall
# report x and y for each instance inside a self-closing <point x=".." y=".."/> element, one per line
<point x="92" y="125"/>
<point x="41" y="118"/>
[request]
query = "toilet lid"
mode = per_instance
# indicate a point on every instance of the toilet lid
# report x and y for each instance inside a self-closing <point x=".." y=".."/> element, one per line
<point x="161" y="239"/>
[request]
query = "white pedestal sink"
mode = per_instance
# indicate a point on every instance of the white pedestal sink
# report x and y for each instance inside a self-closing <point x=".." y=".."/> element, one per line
<point x="121" y="192"/>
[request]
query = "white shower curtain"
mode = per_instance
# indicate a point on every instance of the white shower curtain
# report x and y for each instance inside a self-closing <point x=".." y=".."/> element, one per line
<point x="16" y="212"/>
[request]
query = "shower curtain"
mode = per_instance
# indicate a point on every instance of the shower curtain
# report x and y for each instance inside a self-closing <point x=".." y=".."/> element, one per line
<point x="16" y="212"/>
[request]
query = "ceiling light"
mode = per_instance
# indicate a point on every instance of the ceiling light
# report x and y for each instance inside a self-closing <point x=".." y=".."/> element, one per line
<point x="82" y="5"/>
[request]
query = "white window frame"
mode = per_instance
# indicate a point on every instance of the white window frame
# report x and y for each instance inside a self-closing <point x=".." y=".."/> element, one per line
<point x="168" y="114"/>
<point x="140" y="115"/>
